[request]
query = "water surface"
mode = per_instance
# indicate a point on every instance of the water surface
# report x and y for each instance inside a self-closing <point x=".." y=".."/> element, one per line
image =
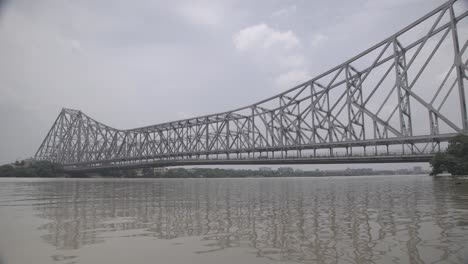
<point x="385" y="219"/>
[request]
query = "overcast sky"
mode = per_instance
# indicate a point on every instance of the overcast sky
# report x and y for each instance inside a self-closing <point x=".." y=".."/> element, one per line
<point x="134" y="63"/>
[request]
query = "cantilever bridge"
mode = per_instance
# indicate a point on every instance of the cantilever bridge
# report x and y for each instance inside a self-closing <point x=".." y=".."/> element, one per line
<point x="399" y="101"/>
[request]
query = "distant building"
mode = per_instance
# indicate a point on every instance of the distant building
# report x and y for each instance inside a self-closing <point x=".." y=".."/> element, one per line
<point x="385" y="172"/>
<point x="29" y="161"/>
<point x="160" y="170"/>
<point x="417" y="170"/>
<point x="358" y="172"/>
<point x="403" y="171"/>
<point x="139" y="172"/>
<point x="285" y="170"/>
<point x="22" y="163"/>
<point x="363" y="171"/>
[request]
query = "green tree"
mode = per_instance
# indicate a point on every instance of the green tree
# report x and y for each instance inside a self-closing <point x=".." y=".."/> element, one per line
<point x="454" y="160"/>
<point x="7" y="171"/>
<point x="35" y="169"/>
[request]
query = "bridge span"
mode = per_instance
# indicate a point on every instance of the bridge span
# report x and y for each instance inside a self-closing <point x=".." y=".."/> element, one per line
<point x="401" y="100"/>
<point x="395" y="158"/>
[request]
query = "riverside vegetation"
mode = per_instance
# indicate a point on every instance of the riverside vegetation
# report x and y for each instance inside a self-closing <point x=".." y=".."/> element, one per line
<point x="31" y="169"/>
<point x="47" y="169"/>
<point x="454" y="160"/>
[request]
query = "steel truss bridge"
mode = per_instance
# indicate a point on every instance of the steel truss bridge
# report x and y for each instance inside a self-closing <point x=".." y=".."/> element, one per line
<point x="401" y="100"/>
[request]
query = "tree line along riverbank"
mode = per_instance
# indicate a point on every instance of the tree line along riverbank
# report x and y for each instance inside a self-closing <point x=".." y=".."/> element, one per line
<point x="49" y="170"/>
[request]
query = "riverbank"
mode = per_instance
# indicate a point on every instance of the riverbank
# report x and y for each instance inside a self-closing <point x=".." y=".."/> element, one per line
<point x="30" y="169"/>
<point x="44" y="169"/>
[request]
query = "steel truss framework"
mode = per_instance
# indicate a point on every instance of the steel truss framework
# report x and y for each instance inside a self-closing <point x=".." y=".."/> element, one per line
<point x="375" y="104"/>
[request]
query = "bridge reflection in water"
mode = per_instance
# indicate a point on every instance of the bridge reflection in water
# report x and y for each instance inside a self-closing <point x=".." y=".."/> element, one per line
<point x="374" y="220"/>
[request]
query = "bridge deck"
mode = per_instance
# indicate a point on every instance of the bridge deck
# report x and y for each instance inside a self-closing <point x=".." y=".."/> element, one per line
<point x="270" y="161"/>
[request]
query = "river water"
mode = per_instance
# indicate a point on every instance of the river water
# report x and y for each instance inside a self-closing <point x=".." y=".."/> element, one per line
<point x="381" y="219"/>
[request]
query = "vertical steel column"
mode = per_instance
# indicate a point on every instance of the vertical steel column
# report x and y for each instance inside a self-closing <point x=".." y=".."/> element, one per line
<point x="458" y="67"/>
<point x="330" y="126"/>
<point x="434" y="123"/>
<point x="228" y="135"/>
<point x="312" y="112"/>
<point x="300" y="140"/>
<point x="281" y="126"/>
<point x="207" y="124"/>
<point x="253" y="130"/>
<point x="402" y="84"/>
<point x="354" y="97"/>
